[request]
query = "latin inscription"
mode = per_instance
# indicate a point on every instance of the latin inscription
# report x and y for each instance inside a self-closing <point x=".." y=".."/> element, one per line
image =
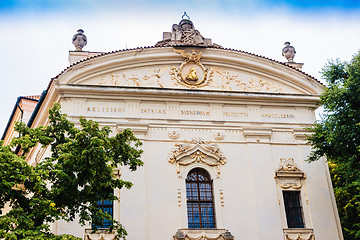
<point x="105" y="109"/>
<point x="275" y="115"/>
<point x="195" y="113"/>
<point x="153" y="111"/>
<point x="186" y="112"/>
<point x="235" y="114"/>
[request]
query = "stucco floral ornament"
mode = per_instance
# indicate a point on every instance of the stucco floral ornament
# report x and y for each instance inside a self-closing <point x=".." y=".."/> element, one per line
<point x="173" y="134"/>
<point x="191" y="73"/>
<point x="219" y="136"/>
<point x="288" y="165"/>
<point x="196" y="151"/>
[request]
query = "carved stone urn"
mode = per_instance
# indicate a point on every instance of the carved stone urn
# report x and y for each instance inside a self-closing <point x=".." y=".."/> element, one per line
<point x="227" y="235"/>
<point x="179" y="235"/>
<point x="79" y="40"/>
<point x="288" y="52"/>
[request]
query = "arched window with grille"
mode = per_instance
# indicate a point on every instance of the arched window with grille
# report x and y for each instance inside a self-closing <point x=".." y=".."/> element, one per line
<point x="200" y="200"/>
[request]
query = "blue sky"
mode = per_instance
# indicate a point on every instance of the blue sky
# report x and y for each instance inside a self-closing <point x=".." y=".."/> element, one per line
<point x="230" y="5"/>
<point x="36" y="35"/>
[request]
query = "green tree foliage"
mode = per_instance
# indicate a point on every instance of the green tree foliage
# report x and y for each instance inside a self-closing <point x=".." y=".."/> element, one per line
<point x="69" y="183"/>
<point x="337" y="137"/>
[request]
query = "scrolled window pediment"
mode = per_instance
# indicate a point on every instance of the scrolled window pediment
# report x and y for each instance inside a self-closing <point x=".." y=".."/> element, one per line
<point x="197" y="151"/>
<point x="288" y="175"/>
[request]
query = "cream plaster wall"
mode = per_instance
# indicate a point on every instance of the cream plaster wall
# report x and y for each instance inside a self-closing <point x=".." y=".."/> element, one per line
<point x="253" y="130"/>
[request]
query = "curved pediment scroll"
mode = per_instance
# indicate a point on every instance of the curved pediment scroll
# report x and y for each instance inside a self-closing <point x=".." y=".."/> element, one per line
<point x="197" y="151"/>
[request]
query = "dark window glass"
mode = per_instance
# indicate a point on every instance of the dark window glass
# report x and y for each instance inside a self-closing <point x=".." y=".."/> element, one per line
<point x="200" y="202"/>
<point x="293" y="209"/>
<point x="107" y="207"/>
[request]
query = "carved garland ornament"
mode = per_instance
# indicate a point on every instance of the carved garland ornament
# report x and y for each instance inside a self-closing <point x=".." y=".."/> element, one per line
<point x="233" y="82"/>
<point x="102" y="236"/>
<point x="300" y="237"/>
<point x="196" y="150"/>
<point x="179" y="235"/>
<point x="190" y="76"/>
<point x="152" y="79"/>
<point x="299" y="234"/>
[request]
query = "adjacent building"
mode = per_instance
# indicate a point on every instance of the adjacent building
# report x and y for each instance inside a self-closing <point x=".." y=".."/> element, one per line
<point x="22" y="111"/>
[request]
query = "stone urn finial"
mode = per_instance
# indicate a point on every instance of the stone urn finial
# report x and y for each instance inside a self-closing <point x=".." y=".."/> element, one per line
<point x="288" y="52"/>
<point x="227" y="235"/>
<point x="79" y="40"/>
<point x="179" y="235"/>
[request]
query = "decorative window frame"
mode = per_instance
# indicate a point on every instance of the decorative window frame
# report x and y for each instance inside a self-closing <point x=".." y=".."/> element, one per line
<point x="289" y="177"/>
<point x="197" y="153"/>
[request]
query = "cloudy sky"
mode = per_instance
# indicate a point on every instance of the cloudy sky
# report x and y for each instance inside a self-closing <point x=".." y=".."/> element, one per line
<point x="35" y="35"/>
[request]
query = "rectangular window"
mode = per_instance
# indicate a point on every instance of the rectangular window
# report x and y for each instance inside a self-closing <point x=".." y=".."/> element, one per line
<point x="107" y="207"/>
<point x="293" y="209"/>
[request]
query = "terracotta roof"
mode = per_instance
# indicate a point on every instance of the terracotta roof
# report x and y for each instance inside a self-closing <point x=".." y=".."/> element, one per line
<point x="215" y="47"/>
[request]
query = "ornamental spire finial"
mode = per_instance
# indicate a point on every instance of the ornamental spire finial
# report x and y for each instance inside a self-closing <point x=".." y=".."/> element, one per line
<point x="185" y="15"/>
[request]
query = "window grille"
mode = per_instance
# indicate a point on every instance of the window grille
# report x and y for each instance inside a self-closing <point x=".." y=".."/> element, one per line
<point x="107" y="207"/>
<point x="200" y="201"/>
<point x="293" y="209"/>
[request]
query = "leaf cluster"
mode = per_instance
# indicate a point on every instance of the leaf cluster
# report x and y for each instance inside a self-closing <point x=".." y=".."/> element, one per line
<point x="67" y="184"/>
<point x="337" y="137"/>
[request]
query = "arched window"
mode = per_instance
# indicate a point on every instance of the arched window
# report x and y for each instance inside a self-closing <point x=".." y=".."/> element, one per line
<point x="200" y="200"/>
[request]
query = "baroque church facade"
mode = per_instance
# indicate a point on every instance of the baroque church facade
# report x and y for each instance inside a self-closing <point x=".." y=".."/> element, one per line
<point x="223" y="139"/>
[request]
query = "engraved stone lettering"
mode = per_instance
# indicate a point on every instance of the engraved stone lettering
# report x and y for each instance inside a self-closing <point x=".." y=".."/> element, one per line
<point x="276" y="115"/>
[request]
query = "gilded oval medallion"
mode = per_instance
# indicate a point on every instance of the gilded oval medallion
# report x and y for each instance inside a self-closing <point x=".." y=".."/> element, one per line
<point x="192" y="73"/>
